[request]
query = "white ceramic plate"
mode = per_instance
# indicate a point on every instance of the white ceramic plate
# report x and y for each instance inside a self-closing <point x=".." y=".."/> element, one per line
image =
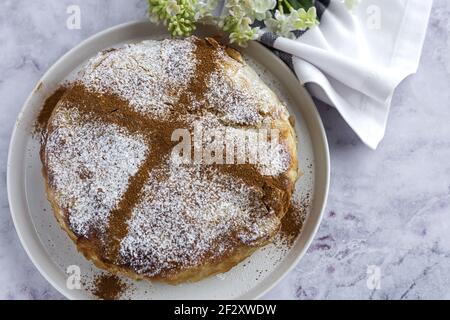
<point x="52" y="251"/>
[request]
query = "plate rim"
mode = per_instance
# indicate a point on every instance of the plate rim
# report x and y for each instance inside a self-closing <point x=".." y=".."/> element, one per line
<point x="14" y="184"/>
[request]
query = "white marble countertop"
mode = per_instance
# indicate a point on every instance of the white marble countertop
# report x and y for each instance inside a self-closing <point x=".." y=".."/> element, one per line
<point x="388" y="208"/>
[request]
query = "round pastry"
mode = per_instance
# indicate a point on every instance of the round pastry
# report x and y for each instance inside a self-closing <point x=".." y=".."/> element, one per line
<point x="169" y="160"/>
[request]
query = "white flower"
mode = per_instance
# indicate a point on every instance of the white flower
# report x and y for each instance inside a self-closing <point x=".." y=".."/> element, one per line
<point x="235" y="8"/>
<point x="261" y="8"/>
<point x="205" y="8"/>
<point x="302" y="20"/>
<point x="154" y="17"/>
<point x="172" y="8"/>
<point x="351" y="4"/>
<point x="280" y="25"/>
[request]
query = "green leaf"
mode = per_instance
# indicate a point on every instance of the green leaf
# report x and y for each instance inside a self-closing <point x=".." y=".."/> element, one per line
<point x="296" y="4"/>
<point x="306" y="4"/>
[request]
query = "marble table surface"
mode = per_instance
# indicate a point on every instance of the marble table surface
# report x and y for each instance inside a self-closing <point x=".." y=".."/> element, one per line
<point x="388" y="213"/>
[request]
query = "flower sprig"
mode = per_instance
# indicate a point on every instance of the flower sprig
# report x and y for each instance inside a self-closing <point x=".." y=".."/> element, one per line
<point x="178" y="15"/>
<point x="238" y="17"/>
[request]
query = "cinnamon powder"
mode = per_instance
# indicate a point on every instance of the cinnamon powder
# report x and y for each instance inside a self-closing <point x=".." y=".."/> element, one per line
<point x="206" y="57"/>
<point x="108" y="287"/>
<point x="48" y="107"/>
<point x="292" y="222"/>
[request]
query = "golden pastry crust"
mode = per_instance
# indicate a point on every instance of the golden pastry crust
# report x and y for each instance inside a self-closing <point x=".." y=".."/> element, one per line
<point x="116" y="189"/>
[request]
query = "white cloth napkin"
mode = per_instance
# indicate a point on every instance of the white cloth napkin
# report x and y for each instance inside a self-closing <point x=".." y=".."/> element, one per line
<point x="355" y="59"/>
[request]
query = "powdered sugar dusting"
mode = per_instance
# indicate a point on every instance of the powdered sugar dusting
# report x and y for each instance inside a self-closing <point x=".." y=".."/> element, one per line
<point x="238" y="96"/>
<point x="249" y="145"/>
<point x="240" y="107"/>
<point x="90" y="164"/>
<point x="143" y="73"/>
<point x="190" y="212"/>
<point x="274" y="160"/>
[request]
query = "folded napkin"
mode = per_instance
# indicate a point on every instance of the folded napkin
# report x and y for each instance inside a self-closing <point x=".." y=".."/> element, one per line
<point x="356" y="58"/>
